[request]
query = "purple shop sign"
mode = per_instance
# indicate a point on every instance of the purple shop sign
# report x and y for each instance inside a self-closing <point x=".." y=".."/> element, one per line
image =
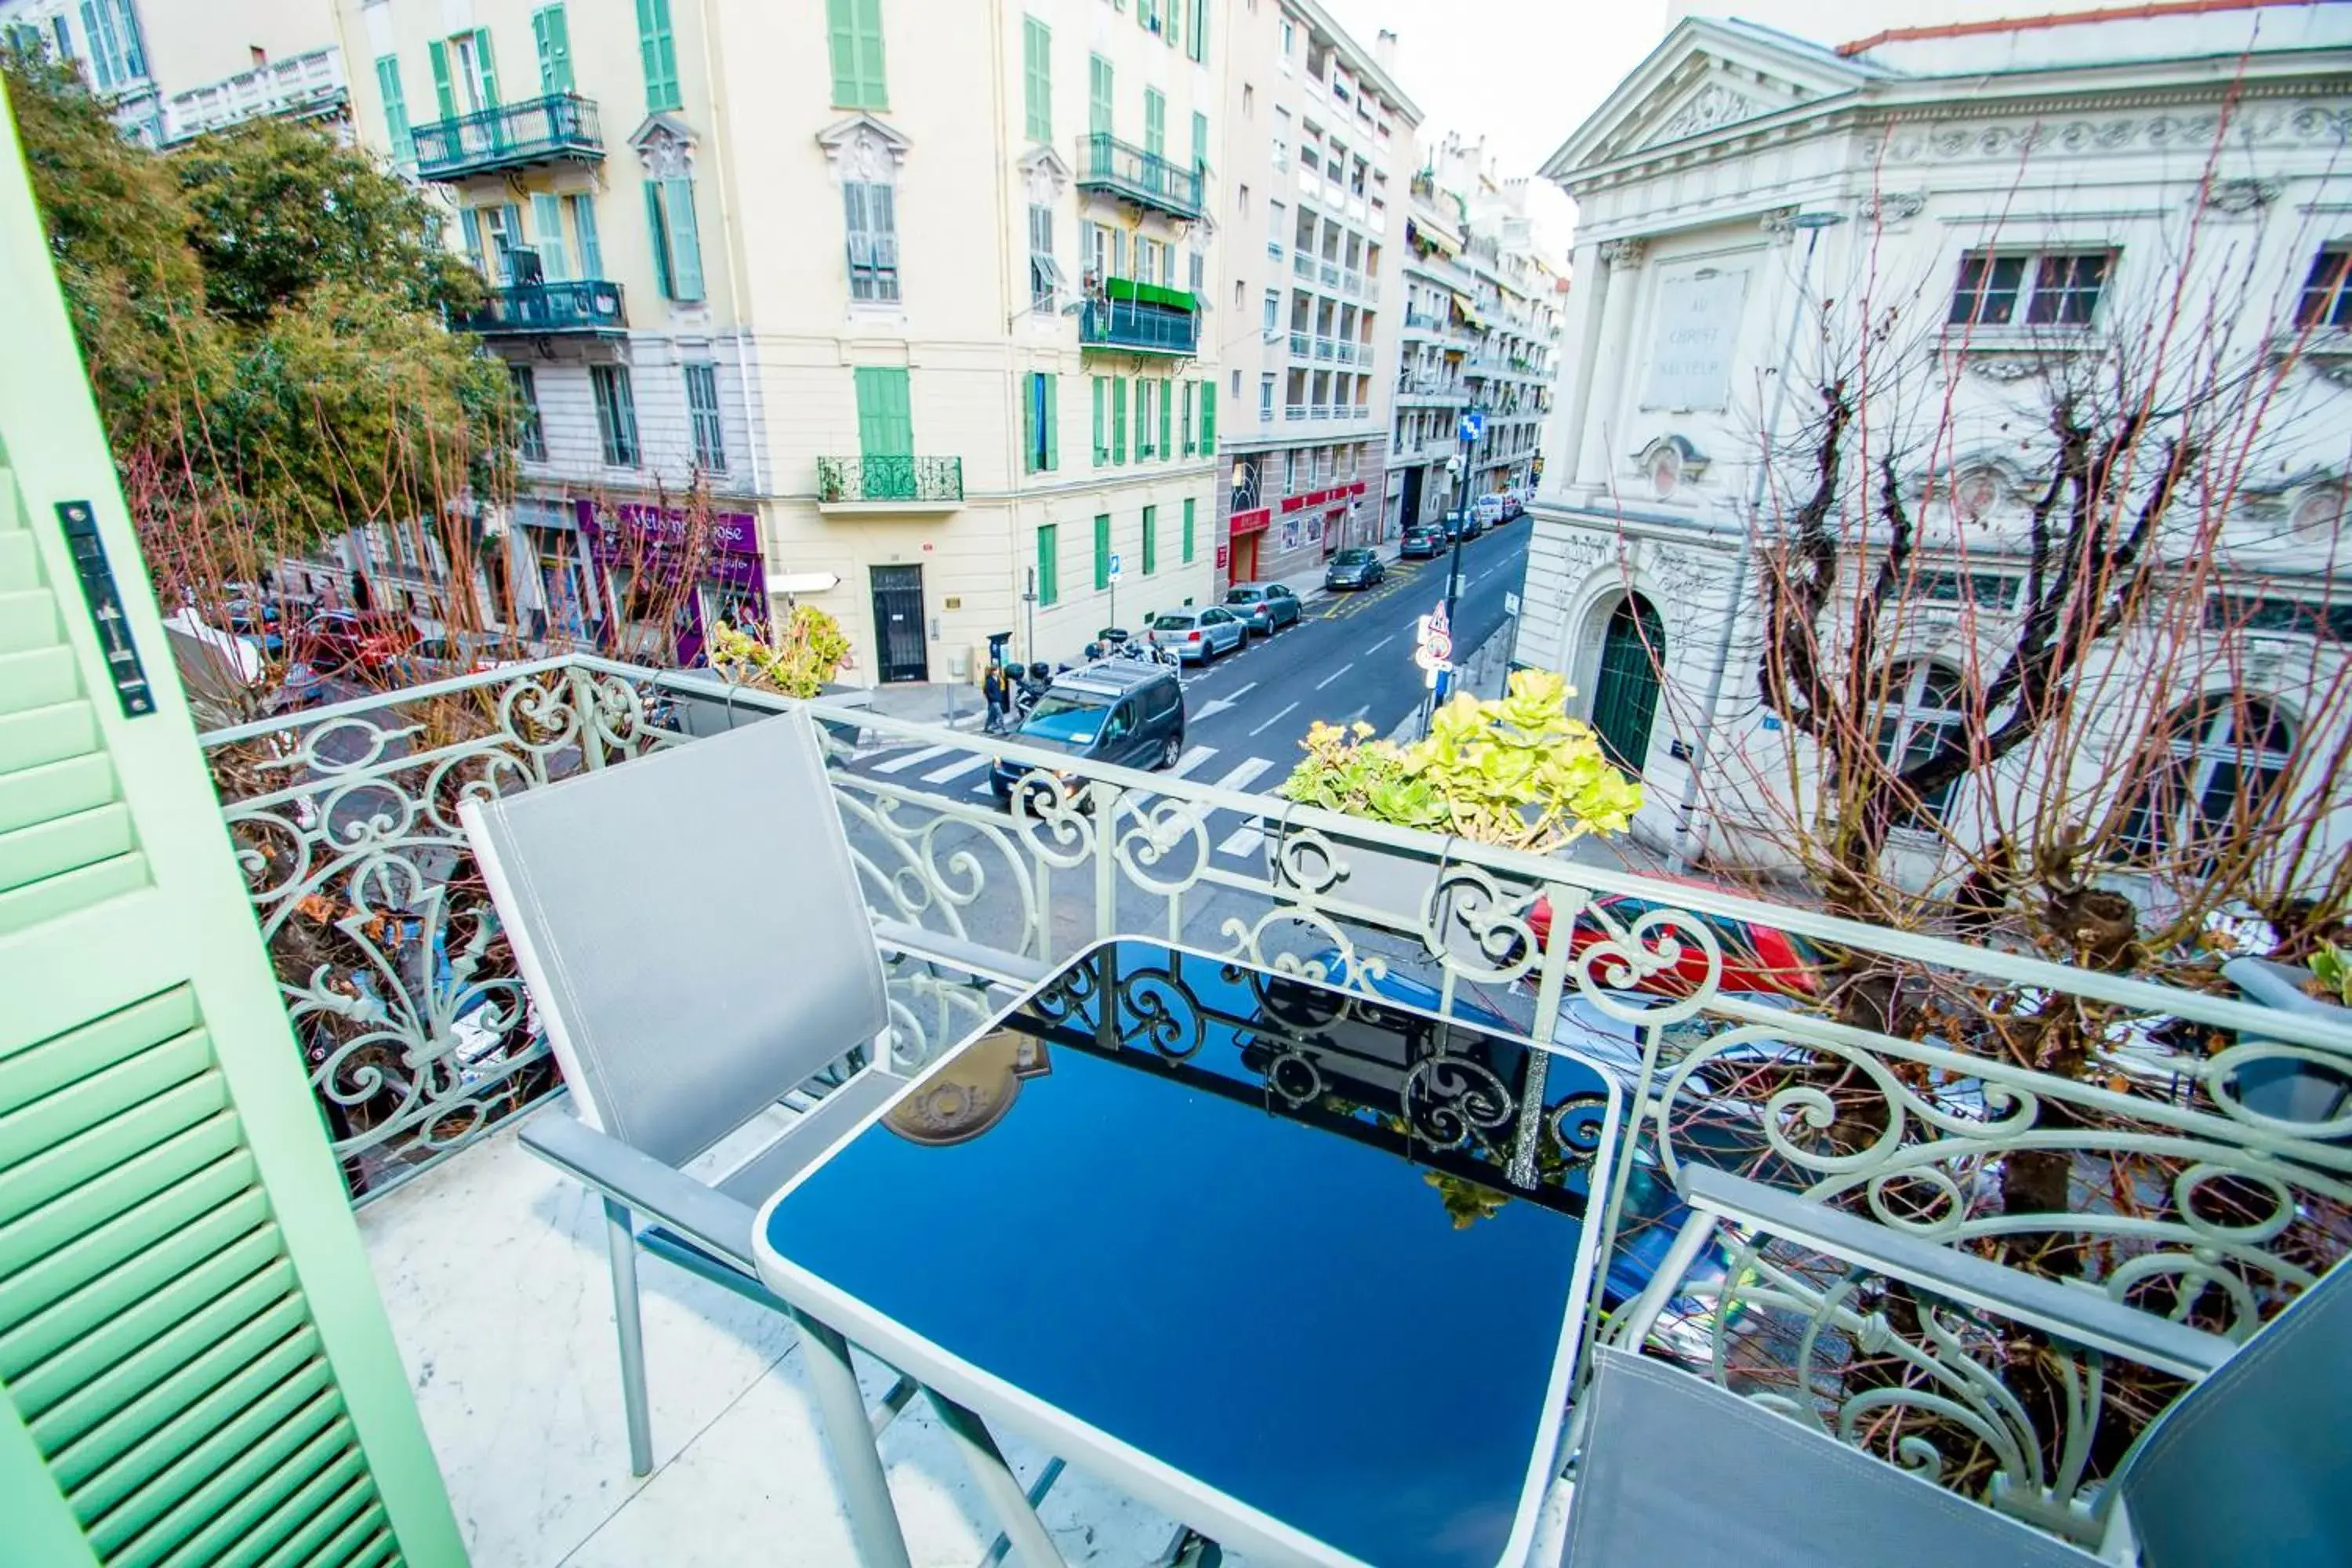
<point x="653" y="537"/>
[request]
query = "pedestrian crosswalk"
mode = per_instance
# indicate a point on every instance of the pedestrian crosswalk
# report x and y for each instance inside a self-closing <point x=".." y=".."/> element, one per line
<point x="1232" y="833"/>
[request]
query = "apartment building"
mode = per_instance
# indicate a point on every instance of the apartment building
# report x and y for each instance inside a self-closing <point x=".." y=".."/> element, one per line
<point x="891" y="308"/>
<point x="173" y="70"/>
<point x="1312" y="213"/>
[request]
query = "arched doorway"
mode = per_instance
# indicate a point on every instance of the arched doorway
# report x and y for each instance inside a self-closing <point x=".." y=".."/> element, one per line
<point x="1625" y="689"/>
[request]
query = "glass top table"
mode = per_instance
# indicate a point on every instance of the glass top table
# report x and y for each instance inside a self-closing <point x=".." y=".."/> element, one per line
<point x="1246" y="1246"/>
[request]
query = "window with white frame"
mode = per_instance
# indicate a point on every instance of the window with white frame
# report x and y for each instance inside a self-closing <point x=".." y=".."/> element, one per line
<point x="2222" y="771"/>
<point x="616" y="414"/>
<point x="1265" y="395"/>
<point x="2326" y="300"/>
<point x="702" y="411"/>
<point x="1273" y="312"/>
<point x="2054" y="289"/>
<point x="1046" y="279"/>
<point x="531" y="433"/>
<point x="1147" y="418"/>
<point x="1921" y="717"/>
<point x="872" y="212"/>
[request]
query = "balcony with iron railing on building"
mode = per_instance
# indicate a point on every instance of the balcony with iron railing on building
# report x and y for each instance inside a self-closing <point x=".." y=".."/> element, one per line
<point x="558" y="129"/>
<point x="1109" y="166"/>
<point x="889" y="483"/>
<point x="1143" y="317"/>
<point x="529" y="305"/>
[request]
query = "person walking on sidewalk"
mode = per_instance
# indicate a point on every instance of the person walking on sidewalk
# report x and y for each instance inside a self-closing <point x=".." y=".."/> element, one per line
<point x="992" y="687"/>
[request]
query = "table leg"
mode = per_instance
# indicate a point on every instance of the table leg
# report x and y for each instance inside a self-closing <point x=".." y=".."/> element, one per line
<point x="849" y="1431"/>
<point x="1022" y="1525"/>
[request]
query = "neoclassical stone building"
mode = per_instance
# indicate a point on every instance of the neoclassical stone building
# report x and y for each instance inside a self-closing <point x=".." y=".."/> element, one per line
<point x="1956" y="221"/>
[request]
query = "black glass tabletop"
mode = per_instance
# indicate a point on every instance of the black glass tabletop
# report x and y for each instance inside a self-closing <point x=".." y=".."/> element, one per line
<point x="1322" y="1256"/>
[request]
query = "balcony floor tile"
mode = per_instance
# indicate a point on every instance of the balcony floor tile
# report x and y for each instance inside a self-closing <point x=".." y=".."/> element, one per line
<point x="492" y="1269"/>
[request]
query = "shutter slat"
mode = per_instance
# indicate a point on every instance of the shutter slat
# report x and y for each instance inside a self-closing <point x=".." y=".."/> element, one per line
<point x="55" y="896"/>
<point x="26" y="1240"/>
<point x="47" y="735"/>
<point x="55" y="1119"/>
<point x="99" y="1152"/>
<point x="336" y="1518"/>
<point x="18" y="569"/>
<point x="176" y="1347"/>
<point x="42" y="1066"/>
<point x="126" y="1451"/>
<point x="54" y="789"/>
<point x="59" y="1351"/>
<point x="37" y="677"/>
<point x="216" y="1197"/>
<point x="63" y="844"/>
<point x="377" y="1554"/>
<point x="307" y="1481"/>
<point x="128" y="1539"/>
<point x="28" y="615"/>
<point x="361" y="1543"/>
<point x="183" y="1494"/>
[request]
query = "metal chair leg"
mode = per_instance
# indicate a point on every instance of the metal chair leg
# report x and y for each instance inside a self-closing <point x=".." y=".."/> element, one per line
<point x="1015" y="1511"/>
<point x="621" y="1249"/>
<point x="849" y="1432"/>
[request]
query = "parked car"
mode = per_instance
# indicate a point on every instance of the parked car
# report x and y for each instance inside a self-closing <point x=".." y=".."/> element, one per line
<point x="257" y="621"/>
<point x="1266" y="607"/>
<point x="1487" y="508"/>
<point x="1119" y="712"/>
<point x="1460" y="525"/>
<point x="1756" y="958"/>
<point x="1199" y="634"/>
<point x="1420" y="542"/>
<point x="364" y="642"/>
<point x="1356" y="568"/>
<point x="1515" y="504"/>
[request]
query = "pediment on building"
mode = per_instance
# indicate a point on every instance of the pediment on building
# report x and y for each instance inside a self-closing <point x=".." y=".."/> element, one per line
<point x="864" y="148"/>
<point x="1706" y="77"/>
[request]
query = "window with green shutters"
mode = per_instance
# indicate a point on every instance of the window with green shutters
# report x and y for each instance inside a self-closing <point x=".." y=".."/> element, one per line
<point x="1200" y="141"/>
<point x="1118" y="419"/>
<point x="1150" y="539"/>
<point x="616" y="414"/>
<point x="1146" y="15"/>
<point x="1102" y="446"/>
<point x="584" y="232"/>
<point x="1102" y="551"/>
<point x="885" y="425"/>
<point x="547" y="236"/>
<point x="1049" y="566"/>
<point x="1099" y="85"/>
<point x="1188" y="419"/>
<point x="658" y="49"/>
<point x="1188" y="530"/>
<point x="677" y="247"/>
<point x="854" y="31"/>
<point x="1167" y="416"/>
<point x="465" y="73"/>
<point x="1037" y="77"/>
<point x="1196" y="30"/>
<point x="1040" y="421"/>
<point x="553" y="36"/>
<point x="1208" y="416"/>
<point x="396" y="107"/>
<point x="1155" y="123"/>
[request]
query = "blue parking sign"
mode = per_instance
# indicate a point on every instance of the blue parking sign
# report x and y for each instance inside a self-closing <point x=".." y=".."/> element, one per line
<point x="1473" y="425"/>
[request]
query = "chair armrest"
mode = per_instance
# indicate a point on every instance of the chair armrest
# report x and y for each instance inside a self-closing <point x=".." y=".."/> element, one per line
<point x="663" y="1194"/>
<point x="2079" y="1313"/>
<point x="971" y="957"/>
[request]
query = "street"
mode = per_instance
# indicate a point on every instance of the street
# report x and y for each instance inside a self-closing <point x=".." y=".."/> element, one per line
<point x="1349" y="659"/>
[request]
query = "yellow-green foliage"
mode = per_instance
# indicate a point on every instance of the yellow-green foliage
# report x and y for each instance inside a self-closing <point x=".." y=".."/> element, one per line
<point x="1514" y="771"/>
<point x="808" y="650"/>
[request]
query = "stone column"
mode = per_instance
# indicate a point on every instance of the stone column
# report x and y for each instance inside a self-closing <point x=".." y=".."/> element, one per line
<point x="1594" y="464"/>
<point x="1588" y="297"/>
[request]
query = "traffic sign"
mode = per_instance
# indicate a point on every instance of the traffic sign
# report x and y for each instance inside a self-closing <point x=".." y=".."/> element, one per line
<point x="1474" y="425"/>
<point x="1113" y="568"/>
<point x="1433" y="656"/>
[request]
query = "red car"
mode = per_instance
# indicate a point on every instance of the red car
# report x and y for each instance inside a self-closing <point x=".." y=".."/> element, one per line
<point x="1755" y="958"/>
<point x="336" y="642"/>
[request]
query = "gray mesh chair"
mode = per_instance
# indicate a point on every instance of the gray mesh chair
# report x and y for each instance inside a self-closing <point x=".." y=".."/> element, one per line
<point x="2251" y="1465"/>
<point x="691" y="929"/>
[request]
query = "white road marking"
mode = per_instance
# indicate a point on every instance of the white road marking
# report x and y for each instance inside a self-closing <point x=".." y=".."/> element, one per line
<point x="1242" y="840"/>
<point x="1381" y="644"/>
<point x="1239" y="776"/>
<point x="1192" y="758"/>
<point x="1335" y="675"/>
<point x="956" y="769"/>
<point x="900" y="764"/>
<point x="1270" y="723"/>
<point x="985" y="786"/>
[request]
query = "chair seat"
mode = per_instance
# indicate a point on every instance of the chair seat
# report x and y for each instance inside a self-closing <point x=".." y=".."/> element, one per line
<point x="805" y="1142"/>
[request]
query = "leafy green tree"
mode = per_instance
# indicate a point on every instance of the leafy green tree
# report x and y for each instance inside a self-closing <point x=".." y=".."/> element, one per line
<point x="261" y="318"/>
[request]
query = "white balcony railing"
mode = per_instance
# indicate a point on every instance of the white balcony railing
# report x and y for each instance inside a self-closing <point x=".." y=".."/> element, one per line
<point x="2180" y="1170"/>
<point x="293" y="86"/>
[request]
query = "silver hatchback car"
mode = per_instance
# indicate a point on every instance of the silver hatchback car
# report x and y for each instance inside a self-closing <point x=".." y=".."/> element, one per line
<point x="1266" y="607"/>
<point x="1201" y="634"/>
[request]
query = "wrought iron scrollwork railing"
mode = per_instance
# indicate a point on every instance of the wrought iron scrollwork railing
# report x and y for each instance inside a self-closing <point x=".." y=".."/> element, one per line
<point x="886" y="478"/>
<point x="560" y="127"/>
<point x="2171" y="1179"/>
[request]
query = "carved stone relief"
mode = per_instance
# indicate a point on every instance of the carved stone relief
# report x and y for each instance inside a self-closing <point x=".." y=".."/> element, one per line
<point x="1714" y="104"/>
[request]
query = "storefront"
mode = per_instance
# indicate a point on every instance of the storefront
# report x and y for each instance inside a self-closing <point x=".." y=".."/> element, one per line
<point x="1247" y="531"/>
<point x="671" y="574"/>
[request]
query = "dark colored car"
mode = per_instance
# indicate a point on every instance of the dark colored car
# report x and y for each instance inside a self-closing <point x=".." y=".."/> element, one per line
<point x="1267" y="607"/>
<point x="1755" y="958"/>
<point x="1126" y="713"/>
<point x="353" y="642"/>
<point x="1354" y="568"/>
<point x="1460" y="525"/>
<point x="1421" y="542"/>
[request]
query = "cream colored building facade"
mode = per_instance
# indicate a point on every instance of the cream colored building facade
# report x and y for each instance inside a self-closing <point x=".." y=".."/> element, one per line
<point x="175" y="67"/>
<point x="892" y="308"/>
<point x="1311" y="215"/>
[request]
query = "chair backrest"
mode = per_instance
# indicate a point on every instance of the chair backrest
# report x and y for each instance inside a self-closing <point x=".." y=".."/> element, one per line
<point x="1678" y="1473"/>
<point x="691" y="928"/>
<point x="2253" y="1465"/>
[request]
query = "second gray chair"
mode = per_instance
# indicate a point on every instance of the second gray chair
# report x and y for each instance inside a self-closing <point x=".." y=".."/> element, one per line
<point x="691" y="928"/>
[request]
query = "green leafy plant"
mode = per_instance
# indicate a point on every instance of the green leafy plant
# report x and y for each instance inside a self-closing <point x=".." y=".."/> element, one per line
<point x="1515" y="771"/>
<point x="808" y="650"/>
<point x="2331" y="973"/>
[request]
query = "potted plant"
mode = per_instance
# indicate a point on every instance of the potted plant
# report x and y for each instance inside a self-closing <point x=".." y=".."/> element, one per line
<point x="2289" y="1086"/>
<point x="1514" y="771"/>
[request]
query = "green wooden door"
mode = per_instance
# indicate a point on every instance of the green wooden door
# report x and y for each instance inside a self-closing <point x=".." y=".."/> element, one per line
<point x="886" y="434"/>
<point x="195" y="1367"/>
<point x="1625" y="695"/>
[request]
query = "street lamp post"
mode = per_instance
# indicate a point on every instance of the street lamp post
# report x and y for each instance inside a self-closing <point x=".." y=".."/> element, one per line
<point x="1679" y="862"/>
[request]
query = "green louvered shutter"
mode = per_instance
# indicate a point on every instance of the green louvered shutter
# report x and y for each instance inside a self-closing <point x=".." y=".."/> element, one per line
<point x="658" y="49"/>
<point x="445" y="93"/>
<point x="395" y="108"/>
<point x="552" y="33"/>
<point x="1167" y="418"/>
<point x="1155" y="123"/>
<point x="1208" y="416"/>
<point x="487" y="64"/>
<point x="1102" y="446"/>
<point x="1032" y="393"/>
<point x="547" y="236"/>
<point x="1150" y="539"/>
<point x="195" y="1365"/>
<point x="1038" y="78"/>
<point x="1098" y="99"/>
<point x="885" y="426"/>
<point x="1188" y="530"/>
<point x="854" y="37"/>
<point x="1053" y="422"/>
<point x="685" y="239"/>
<point x="1118" y="419"/>
<point x="1102" y="551"/>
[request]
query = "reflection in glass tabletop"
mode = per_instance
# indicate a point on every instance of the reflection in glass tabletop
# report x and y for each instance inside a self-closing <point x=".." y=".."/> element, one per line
<point x="1253" y="1235"/>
